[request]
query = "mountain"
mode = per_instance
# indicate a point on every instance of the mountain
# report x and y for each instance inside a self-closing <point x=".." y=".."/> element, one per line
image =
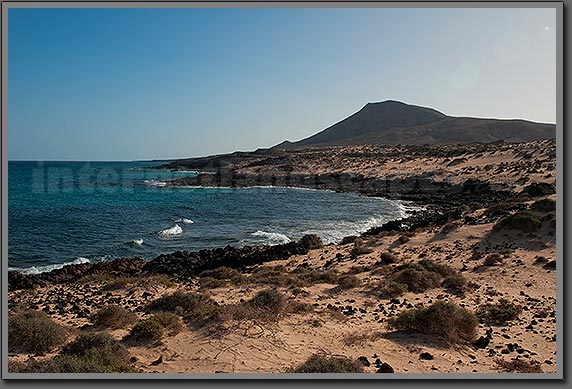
<point x="394" y="122"/>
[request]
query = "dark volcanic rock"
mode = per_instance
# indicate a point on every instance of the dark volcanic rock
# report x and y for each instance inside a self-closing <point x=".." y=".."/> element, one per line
<point x="311" y="242"/>
<point x="187" y="264"/>
<point x="385" y="368"/>
<point x="426" y="356"/>
<point x="482" y="342"/>
<point x="70" y="273"/>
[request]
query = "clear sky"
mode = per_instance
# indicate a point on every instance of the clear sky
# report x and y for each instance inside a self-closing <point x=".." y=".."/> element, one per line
<point x="125" y="84"/>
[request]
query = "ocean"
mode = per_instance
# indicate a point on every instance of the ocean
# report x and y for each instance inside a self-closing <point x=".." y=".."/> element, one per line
<point x="77" y="212"/>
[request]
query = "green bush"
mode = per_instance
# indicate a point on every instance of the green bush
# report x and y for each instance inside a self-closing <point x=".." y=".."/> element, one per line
<point x="147" y="330"/>
<point x="190" y="305"/>
<point x="90" y="353"/>
<point x="416" y="277"/>
<point x="34" y="332"/>
<point x="524" y="221"/>
<point x="328" y="364"/>
<point x="269" y="300"/>
<point x="170" y="321"/>
<point x="455" y="324"/>
<point x="501" y="313"/>
<point x="114" y="316"/>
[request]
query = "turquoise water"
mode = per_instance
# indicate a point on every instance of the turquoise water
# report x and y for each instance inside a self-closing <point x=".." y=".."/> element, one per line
<point x="73" y="212"/>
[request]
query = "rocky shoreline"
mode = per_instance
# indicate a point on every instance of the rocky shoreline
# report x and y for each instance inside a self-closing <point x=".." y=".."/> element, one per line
<point x="438" y="209"/>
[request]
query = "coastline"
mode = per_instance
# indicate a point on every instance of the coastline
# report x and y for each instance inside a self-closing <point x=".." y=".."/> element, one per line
<point x="341" y="290"/>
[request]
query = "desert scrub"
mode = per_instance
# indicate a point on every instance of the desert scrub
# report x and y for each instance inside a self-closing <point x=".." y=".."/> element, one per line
<point x="423" y="275"/>
<point x="118" y="283"/>
<point x="328" y="364"/>
<point x="455" y="283"/>
<point x="544" y="205"/>
<point x="492" y="260"/>
<point x="268" y="300"/>
<point x="518" y="366"/>
<point x="90" y="353"/>
<point x="387" y="258"/>
<point x="391" y="289"/>
<point x="277" y="276"/>
<point x="501" y="313"/>
<point x="190" y="305"/>
<point x="455" y="324"/>
<point x="524" y="221"/>
<point x="266" y="306"/>
<point x="348" y="281"/>
<point x="154" y="327"/>
<point x="113" y="316"/>
<point x="34" y="332"/>
<point x="220" y="277"/>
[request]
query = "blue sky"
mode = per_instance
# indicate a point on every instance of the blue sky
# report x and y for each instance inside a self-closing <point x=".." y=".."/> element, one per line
<point x="126" y="84"/>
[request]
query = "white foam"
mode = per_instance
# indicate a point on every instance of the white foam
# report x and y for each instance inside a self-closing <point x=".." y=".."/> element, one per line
<point x="48" y="268"/>
<point x="186" y="221"/>
<point x="155" y="183"/>
<point x="173" y="231"/>
<point x="138" y="242"/>
<point x="272" y="237"/>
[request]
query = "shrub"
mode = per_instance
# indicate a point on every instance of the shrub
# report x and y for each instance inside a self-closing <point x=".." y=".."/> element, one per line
<point x="170" y="321"/>
<point x="387" y="257"/>
<point x="268" y="300"/>
<point x="147" y="330"/>
<point x="311" y="241"/>
<point x="449" y="227"/>
<point x="328" y="364"/>
<point x="90" y="353"/>
<point x="416" y="277"/>
<point x="455" y="324"/>
<point x="118" y="283"/>
<point x="190" y="305"/>
<point x="492" y="260"/>
<point x="392" y="289"/>
<point x="518" y="366"/>
<point x="276" y="275"/>
<point x="502" y="209"/>
<point x="455" y="282"/>
<point x="524" y="221"/>
<point x="356" y="269"/>
<point x="348" y="281"/>
<point x="500" y="313"/>
<point x="35" y="332"/>
<point x="403" y="239"/>
<point x="540" y="189"/>
<point x="544" y="205"/>
<point x="266" y="305"/>
<point x="113" y="316"/>
<point x="434" y="267"/>
<point x="223" y="274"/>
